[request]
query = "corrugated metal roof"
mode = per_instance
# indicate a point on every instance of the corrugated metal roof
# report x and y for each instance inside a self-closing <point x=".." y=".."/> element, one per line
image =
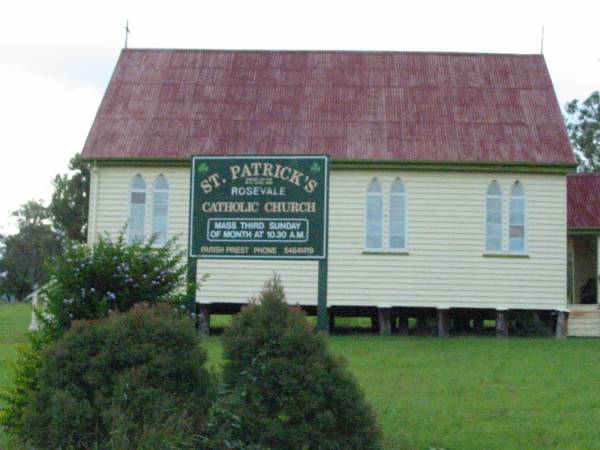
<point x="583" y="200"/>
<point x="350" y="105"/>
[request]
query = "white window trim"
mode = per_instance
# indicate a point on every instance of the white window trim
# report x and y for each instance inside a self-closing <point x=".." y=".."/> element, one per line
<point x="501" y="196"/>
<point x="525" y="250"/>
<point x="168" y="192"/>
<point x="385" y="248"/>
<point x="389" y="234"/>
<point x="130" y="204"/>
<point x="506" y="252"/>
<point x="382" y="218"/>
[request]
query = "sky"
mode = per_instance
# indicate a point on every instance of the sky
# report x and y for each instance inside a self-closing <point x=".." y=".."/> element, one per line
<point x="56" y="58"/>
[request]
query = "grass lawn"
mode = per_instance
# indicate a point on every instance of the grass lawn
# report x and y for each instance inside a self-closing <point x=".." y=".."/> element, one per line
<point x="14" y="320"/>
<point x="458" y="393"/>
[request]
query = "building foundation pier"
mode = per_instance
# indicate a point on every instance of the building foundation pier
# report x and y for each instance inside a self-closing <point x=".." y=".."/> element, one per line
<point x="385" y="321"/>
<point x="501" y="323"/>
<point x="561" y="324"/>
<point x="443" y="319"/>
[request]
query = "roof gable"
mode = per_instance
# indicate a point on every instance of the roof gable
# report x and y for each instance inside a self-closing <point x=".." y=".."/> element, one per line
<point x="351" y="105"/>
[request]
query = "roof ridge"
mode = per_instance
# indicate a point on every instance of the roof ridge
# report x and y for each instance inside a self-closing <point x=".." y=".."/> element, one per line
<point x="391" y="52"/>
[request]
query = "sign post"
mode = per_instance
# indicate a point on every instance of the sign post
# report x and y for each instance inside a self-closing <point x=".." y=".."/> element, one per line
<point x="262" y="207"/>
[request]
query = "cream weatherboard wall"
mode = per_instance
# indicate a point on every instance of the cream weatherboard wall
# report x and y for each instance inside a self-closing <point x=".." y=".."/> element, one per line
<point x="445" y="264"/>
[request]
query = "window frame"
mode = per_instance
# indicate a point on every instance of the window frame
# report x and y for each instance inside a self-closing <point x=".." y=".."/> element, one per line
<point x="168" y="204"/>
<point x="366" y="212"/>
<point x="132" y="190"/>
<point x="487" y="197"/>
<point x="397" y="181"/>
<point x="525" y="219"/>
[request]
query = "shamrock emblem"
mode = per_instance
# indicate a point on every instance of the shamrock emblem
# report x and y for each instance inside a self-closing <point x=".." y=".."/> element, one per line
<point x="315" y="167"/>
<point x="203" y="168"/>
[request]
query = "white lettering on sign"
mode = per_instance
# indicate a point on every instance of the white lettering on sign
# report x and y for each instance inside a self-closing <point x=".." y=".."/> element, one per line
<point x="264" y="250"/>
<point x="257" y="230"/>
<point x="258" y="190"/>
<point x="237" y="250"/>
<point x="290" y="207"/>
<point x="230" y="207"/>
<point x="225" y="225"/>
<point x="252" y="225"/>
<point x="260" y="169"/>
<point x="281" y="225"/>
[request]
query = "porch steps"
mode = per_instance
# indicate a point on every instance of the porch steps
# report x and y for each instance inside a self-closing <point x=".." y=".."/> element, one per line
<point x="584" y="322"/>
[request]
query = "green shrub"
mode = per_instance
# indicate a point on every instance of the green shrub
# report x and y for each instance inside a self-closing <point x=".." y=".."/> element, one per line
<point x="131" y="381"/>
<point x="284" y="389"/>
<point x="18" y="396"/>
<point x="92" y="282"/>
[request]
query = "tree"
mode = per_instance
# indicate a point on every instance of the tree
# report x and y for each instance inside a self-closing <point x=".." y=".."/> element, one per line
<point x="32" y="213"/>
<point x="69" y="205"/>
<point x="583" y="125"/>
<point x="23" y="255"/>
<point x="41" y="230"/>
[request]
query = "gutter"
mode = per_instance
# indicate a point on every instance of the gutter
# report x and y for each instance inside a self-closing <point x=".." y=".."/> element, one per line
<point x="349" y="164"/>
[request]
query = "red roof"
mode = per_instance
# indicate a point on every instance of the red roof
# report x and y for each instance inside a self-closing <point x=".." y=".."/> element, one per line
<point x="350" y="105"/>
<point x="583" y="200"/>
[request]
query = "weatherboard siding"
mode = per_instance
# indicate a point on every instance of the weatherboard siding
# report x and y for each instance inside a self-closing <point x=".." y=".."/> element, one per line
<point x="112" y="199"/>
<point x="445" y="265"/>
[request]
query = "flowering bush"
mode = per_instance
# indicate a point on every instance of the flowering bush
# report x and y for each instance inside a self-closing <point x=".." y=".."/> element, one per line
<point x="93" y="282"/>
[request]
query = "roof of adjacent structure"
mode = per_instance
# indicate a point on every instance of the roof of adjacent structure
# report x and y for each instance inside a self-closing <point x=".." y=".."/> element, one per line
<point x="583" y="200"/>
<point x="443" y="107"/>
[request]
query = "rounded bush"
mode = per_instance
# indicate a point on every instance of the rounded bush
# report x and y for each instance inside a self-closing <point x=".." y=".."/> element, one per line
<point x="284" y="389"/>
<point x="123" y="382"/>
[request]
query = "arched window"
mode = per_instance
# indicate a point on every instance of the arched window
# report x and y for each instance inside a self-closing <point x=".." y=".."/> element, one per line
<point x="397" y="223"/>
<point x="493" y="221"/>
<point x="517" y="230"/>
<point x="137" y="210"/>
<point x="374" y="215"/>
<point x="160" y="209"/>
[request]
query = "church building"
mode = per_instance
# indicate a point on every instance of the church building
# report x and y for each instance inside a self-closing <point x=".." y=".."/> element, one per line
<point x="452" y="197"/>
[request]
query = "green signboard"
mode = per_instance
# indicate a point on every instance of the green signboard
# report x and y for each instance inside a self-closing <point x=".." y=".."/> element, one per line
<point x="258" y="207"/>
